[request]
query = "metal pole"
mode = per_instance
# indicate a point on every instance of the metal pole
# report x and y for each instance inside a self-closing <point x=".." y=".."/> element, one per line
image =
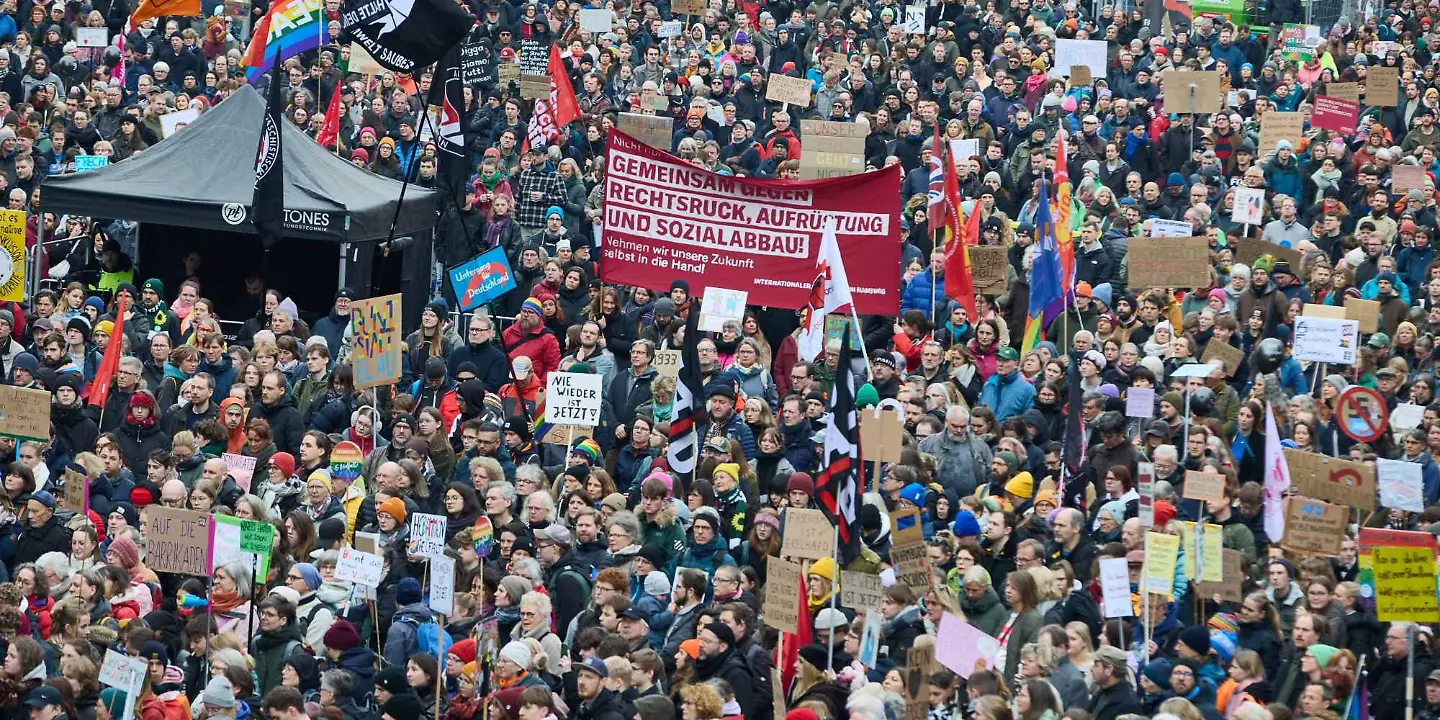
<point x="1410" y="673"/>
<point x="835" y="593"/>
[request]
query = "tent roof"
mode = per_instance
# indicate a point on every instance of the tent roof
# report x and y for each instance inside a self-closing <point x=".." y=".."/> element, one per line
<point x="204" y="177"/>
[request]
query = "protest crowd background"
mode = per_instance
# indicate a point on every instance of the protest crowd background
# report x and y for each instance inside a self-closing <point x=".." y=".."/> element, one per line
<point x="1129" y="411"/>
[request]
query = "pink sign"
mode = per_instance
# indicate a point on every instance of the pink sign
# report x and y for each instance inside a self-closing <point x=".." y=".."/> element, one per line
<point x="1335" y="114"/>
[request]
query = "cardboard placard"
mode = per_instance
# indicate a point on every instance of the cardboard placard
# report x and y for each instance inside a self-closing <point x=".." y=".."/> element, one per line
<point x="256" y="537"/>
<point x="808" y="534"/>
<point x="914" y="20"/>
<point x="670" y="29"/>
<point x="821" y="164"/>
<point x="912" y="566"/>
<point x="652" y="130"/>
<point x="786" y="89"/>
<point x="125" y="673"/>
<point x="1202" y="551"/>
<point x="688" y="7"/>
<point x="1332" y="312"/>
<point x="375" y="352"/>
<point x="24" y="413"/>
<point x="1080" y="75"/>
<point x="76" y="497"/>
<point x="1248" y="249"/>
<point x="361" y="61"/>
<point x="667" y="363"/>
<point x="1162" y="553"/>
<point x="920" y="662"/>
<point x="177" y="541"/>
<point x="1342" y="482"/>
<point x="1407" y="177"/>
<point x="781" y="604"/>
<point x="1228" y="588"/>
<point x="1209" y="487"/>
<point x="1091" y="55"/>
<point x="507" y="72"/>
<point x="1170" y="262"/>
<point x="1314" y="527"/>
<point x="1249" y="207"/>
<point x="1344" y="91"/>
<point x="1382" y="86"/>
<point x="860" y="590"/>
<point x="534" y="87"/>
<point x="882" y="434"/>
<point x="1207" y="97"/>
<point x="1224" y="353"/>
<point x="597" y="20"/>
<point x="811" y="130"/>
<point x="567" y="434"/>
<point x="721" y="305"/>
<point x="911" y="532"/>
<point x="1278" y="126"/>
<point x="1366" y="312"/>
<point x="1405" y="584"/>
<point x="573" y="398"/>
<point x="1160" y="227"/>
<point x="987" y="264"/>
<point x="1335" y="114"/>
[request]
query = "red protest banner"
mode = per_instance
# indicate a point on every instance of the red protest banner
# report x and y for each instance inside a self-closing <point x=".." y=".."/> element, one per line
<point x="1335" y="114"/>
<point x="667" y="220"/>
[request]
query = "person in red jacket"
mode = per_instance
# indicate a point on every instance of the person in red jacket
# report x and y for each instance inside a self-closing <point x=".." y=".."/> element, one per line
<point x="527" y="337"/>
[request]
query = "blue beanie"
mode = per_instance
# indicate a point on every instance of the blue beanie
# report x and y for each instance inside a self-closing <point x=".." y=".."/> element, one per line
<point x="310" y="573"/>
<point x="407" y="592"/>
<point x="554" y="210"/>
<point x="966" y="525"/>
<point x="1175" y="180"/>
<point x="915" y="493"/>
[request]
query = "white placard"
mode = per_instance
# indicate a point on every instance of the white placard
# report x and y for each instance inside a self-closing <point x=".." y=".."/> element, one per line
<point x="572" y="399"/>
<point x="596" y="21"/>
<point x="1140" y="402"/>
<point x="1194" y="369"/>
<point x="92" y="37"/>
<point x="172" y="122"/>
<point x="427" y="536"/>
<point x="124" y="673"/>
<point x="1115" y="586"/>
<point x="1249" y="206"/>
<point x="670" y="29"/>
<point x="1402" y="484"/>
<point x="1326" y="340"/>
<point x="442" y="585"/>
<point x="1171" y="228"/>
<point x="1407" y="416"/>
<point x="361" y="568"/>
<point x="914" y="19"/>
<point x="1090" y="53"/>
<point x="962" y="150"/>
<point x="719" y="305"/>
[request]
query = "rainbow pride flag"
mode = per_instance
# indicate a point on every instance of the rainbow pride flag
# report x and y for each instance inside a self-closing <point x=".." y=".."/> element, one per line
<point x="290" y="27"/>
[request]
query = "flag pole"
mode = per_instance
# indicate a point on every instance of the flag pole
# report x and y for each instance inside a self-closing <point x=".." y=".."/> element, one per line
<point x="835" y="591"/>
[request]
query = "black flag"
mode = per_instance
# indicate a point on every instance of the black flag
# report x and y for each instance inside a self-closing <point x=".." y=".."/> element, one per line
<point x="447" y="95"/>
<point x="406" y="35"/>
<point x="837" y="485"/>
<point x="689" y="401"/>
<point x="267" y="208"/>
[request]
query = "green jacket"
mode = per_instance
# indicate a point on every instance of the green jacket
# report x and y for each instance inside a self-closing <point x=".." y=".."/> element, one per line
<point x="307" y="392"/>
<point x="665" y="532"/>
<point x="270" y="650"/>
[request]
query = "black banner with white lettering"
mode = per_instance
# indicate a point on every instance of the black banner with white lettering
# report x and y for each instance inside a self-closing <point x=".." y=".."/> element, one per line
<point x="405" y="35"/>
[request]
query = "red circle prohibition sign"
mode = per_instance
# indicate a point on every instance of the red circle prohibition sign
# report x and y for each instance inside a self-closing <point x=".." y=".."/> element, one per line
<point x="1363" y="413"/>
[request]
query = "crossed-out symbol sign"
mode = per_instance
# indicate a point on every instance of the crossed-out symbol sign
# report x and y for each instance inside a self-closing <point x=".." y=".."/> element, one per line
<point x="1363" y="413"/>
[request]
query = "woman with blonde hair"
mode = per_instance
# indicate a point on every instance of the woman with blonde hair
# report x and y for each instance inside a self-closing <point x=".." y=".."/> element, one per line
<point x="701" y="702"/>
<point x="1045" y="586"/>
<point x="1245" y="670"/>
<point x="535" y="624"/>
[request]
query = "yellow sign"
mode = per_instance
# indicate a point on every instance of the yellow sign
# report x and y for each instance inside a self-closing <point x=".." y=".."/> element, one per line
<point x="1405" y="584"/>
<point x="12" y="260"/>
<point x="1161" y="553"/>
<point x="1208" y="548"/>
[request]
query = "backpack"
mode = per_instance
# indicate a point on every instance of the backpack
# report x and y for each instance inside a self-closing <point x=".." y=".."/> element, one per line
<point x="429" y="638"/>
<point x="310" y="616"/>
<point x="579" y="576"/>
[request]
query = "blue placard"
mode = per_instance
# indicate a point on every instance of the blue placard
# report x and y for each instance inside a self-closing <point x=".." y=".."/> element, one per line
<point x="90" y="162"/>
<point x="482" y="279"/>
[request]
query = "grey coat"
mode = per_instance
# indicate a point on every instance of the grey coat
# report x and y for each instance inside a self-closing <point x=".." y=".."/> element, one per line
<point x="963" y="464"/>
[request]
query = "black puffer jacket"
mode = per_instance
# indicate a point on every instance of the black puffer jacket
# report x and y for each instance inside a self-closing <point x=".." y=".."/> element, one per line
<point x="285" y="423"/>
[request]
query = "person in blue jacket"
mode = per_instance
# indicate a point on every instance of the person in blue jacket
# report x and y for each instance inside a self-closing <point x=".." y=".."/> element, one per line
<point x="1008" y="394"/>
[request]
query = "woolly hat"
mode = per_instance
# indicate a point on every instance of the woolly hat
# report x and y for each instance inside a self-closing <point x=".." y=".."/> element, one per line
<point x="654" y="554"/>
<point x="407" y="592"/>
<point x="800" y="481"/>
<point x="128" y="553"/>
<point x="965" y="525"/>
<point x="1046" y="496"/>
<point x="310" y="573"/>
<point x="1224" y="645"/>
<point x="816" y="655"/>
<point x="518" y="653"/>
<point x="554" y="210"/>
<point x="532" y="305"/>
<point x="322" y="475"/>
<point x="590" y="450"/>
<point x="394" y="507"/>
<point x="341" y="636"/>
<point x="219" y="693"/>
<point x="403" y="706"/>
<point x="1196" y="638"/>
<point x="285" y="462"/>
<point x="1224" y="623"/>
<point x="824" y="567"/>
<point x="731" y="469"/>
<point x="657" y="584"/>
<point x="464" y="649"/>
<point x="1175" y="399"/>
<point x="691" y="647"/>
<point x="914" y="493"/>
<point x="1022" y="485"/>
<point x="1158" y="672"/>
<point x="155" y="650"/>
<point x="1322" y="653"/>
<point x="1164" y="513"/>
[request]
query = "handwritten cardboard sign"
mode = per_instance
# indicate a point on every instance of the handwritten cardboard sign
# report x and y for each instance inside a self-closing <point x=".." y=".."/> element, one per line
<point x="1342" y="482"/>
<point x="1228" y="588"/>
<point x="786" y="89"/>
<point x="987" y="263"/>
<point x="76" y="498"/>
<point x="1344" y="91"/>
<point x="1205" y="98"/>
<point x="1407" y="177"/>
<point x="1280" y="126"/>
<point x="24" y="413"/>
<point x="667" y="363"/>
<point x="427" y="536"/>
<point x="860" y="590"/>
<point x="1382" y="86"/>
<point x="781" y="604"/>
<point x="1248" y="249"/>
<point x="808" y="534"/>
<point x="1209" y="487"/>
<point x="1170" y="262"/>
<point x="256" y="537"/>
<point x="240" y="467"/>
<point x="652" y="130"/>
<point x="1314" y="527"/>
<point x="1224" y="353"/>
<point x="912" y="566"/>
<point x="178" y="541"/>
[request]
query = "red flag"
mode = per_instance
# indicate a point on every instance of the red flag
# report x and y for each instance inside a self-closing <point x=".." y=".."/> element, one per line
<point x="560" y="110"/>
<point x="329" y="134"/>
<point x="790" y="643"/>
<point x="100" y="386"/>
<point x="959" y="281"/>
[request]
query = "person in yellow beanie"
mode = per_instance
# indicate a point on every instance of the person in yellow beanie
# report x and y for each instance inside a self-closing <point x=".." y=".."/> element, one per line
<point x="820" y="580"/>
<point x="731" y="499"/>
<point x="1018" y="491"/>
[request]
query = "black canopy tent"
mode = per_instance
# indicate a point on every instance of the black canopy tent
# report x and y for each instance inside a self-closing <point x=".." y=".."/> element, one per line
<point x="203" y="178"/>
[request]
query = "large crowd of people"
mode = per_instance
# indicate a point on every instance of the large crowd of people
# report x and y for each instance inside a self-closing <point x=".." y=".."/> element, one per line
<point x="610" y="587"/>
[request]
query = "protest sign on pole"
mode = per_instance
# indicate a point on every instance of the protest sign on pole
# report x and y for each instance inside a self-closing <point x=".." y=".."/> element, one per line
<point x="225" y="539"/>
<point x="1115" y="587"/>
<point x="1405" y="584"/>
<point x="1326" y="340"/>
<point x="1162" y="552"/>
<point x="1342" y="482"/>
<point x="427" y="536"/>
<point x="177" y="541"/>
<point x="24" y="413"/>
<point x="572" y="398"/>
<point x="123" y="672"/>
<point x="668" y="220"/>
<point x="962" y="647"/>
<point x="1314" y="527"/>
<point x="240" y="467"/>
<point x="375" y="351"/>
<point x="1335" y="114"/>
<point x="362" y="568"/>
<point x="481" y="280"/>
<point x="808" y="534"/>
<point x="860" y="590"/>
<point x="12" y="255"/>
<point x="1249" y="208"/>
<point x="442" y="585"/>
<point x="1140" y="402"/>
<point x="719" y="305"/>
<point x="1401" y="484"/>
<point x="781" y="603"/>
<point x="1229" y="586"/>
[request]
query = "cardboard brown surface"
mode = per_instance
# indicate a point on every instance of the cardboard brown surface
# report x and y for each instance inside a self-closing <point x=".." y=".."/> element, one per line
<point x="1204" y="486"/>
<point x="1367" y="312"/>
<point x="987" y="263"/>
<point x="1382" y="86"/>
<point x="912" y="566"/>
<point x="1207" y="97"/>
<point x="882" y="433"/>
<point x="781" y="602"/>
<point x="1334" y="480"/>
<point x="177" y="541"/>
<point x="1248" y="249"/>
<point x="1229" y="587"/>
<point x="1227" y="354"/>
<point x="1276" y="126"/>
<point x="1407" y="177"/>
<point x="786" y="89"/>
<point x="1333" y="312"/>
<point x="808" y="534"/>
<point x="1314" y="527"/>
<point x="860" y="590"/>
<point x="653" y="130"/>
<point x="1344" y="91"/>
<point x="24" y="413"/>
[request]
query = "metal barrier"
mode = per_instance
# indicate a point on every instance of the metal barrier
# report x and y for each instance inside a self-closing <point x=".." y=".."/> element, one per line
<point x="1326" y="13"/>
